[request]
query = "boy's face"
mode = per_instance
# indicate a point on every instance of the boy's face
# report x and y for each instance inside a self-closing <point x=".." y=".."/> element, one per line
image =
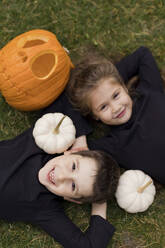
<point x="111" y="103"/>
<point x="69" y="175"/>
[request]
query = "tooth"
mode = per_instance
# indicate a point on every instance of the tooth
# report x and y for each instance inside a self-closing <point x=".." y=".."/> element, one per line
<point x="52" y="176"/>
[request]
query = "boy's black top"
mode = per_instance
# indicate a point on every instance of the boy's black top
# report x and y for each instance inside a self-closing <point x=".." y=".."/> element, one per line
<point x="140" y="143"/>
<point x="23" y="198"/>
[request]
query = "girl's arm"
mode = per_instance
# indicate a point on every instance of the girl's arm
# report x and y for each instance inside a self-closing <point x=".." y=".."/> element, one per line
<point x="79" y="145"/>
<point x="61" y="228"/>
<point x="106" y="144"/>
<point x="141" y="63"/>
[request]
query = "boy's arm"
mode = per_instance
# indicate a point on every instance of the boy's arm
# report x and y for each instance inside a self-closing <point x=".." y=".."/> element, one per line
<point x="99" y="209"/>
<point x="141" y="63"/>
<point x="61" y="228"/>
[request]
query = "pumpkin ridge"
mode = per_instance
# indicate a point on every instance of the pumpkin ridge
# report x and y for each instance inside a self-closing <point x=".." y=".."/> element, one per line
<point x="3" y="72"/>
<point x="11" y="83"/>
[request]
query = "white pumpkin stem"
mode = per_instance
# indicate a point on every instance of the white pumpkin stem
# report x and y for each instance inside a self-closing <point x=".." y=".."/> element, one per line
<point x="141" y="189"/>
<point x="56" y="130"/>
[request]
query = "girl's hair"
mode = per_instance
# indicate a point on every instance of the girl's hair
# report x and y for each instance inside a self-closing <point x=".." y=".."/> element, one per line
<point x="86" y="76"/>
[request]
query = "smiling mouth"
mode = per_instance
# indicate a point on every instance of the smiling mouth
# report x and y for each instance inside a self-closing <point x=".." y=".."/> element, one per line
<point x="122" y="113"/>
<point x="51" y="176"/>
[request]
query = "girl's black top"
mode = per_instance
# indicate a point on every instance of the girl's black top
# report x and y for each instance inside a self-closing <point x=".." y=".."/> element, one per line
<point x="23" y="198"/>
<point x="140" y="143"/>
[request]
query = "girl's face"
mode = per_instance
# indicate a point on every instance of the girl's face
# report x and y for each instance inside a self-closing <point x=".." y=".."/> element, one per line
<point x="110" y="102"/>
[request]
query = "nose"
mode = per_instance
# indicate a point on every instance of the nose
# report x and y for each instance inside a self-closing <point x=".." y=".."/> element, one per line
<point x="114" y="108"/>
<point x="63" y="175"/>
<point x="61" y="178"/>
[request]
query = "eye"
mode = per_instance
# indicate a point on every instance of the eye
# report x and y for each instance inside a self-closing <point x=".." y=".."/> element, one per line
<point x="116" y="95"/>
<point x="73" y="186"/>
<point x="103" y="107"/>
<point x="73" y="166"/>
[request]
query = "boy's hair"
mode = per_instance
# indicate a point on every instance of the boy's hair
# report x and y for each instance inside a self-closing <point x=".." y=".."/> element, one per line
<point x="106" y="178"/>
<point x="86" y="76"/>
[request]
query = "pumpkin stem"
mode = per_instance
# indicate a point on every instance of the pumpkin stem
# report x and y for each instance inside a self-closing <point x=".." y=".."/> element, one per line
<point x="141" y="189"/>
<point x="56" y="130"/>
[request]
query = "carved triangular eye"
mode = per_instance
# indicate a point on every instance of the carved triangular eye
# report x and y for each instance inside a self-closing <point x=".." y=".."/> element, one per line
<point x="43" y="65"/>
<point x="31" y="43"/>
<point x="32" y="40"/>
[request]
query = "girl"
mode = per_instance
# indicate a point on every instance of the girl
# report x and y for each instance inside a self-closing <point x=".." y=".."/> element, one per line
<point x="136" y="137"/>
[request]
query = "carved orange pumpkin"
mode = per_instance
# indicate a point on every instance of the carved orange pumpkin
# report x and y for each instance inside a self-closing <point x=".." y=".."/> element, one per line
<point x="34" y="69"/>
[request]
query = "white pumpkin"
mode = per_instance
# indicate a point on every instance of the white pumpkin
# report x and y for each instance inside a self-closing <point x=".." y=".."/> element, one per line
<point x="135" y="191"/>
<point x="54" y="132"/>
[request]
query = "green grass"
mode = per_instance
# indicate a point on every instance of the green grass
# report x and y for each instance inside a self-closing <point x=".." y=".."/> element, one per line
<point x="114" y="27"/>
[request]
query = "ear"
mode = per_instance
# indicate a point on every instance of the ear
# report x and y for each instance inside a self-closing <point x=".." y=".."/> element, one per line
<point x="71" y="200"/>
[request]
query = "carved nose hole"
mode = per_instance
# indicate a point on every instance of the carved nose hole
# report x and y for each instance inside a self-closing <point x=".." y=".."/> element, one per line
<point x="43" y="65"/>
<point x="23" y="56"/>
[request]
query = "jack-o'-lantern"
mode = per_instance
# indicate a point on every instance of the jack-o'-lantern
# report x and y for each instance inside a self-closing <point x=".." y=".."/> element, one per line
<point x="34" y="69"/>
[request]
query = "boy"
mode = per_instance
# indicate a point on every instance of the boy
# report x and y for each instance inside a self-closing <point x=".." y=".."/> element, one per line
<point x="33" y="183"/>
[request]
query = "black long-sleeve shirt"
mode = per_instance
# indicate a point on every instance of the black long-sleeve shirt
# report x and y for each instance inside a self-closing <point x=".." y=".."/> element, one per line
<point x="139" y="143"/>
<point x="23" y="198"/>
